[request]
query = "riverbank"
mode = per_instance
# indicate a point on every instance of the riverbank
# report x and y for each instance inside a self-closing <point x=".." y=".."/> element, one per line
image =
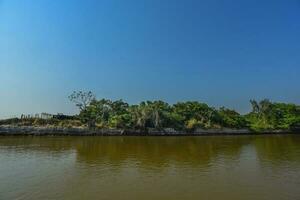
<point x="59" y="131"/>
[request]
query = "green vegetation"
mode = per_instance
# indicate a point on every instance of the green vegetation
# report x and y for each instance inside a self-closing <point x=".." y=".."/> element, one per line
<point x="266" y="115"/>
<point x="66" y="123"/>
<point x="187" y="116"/>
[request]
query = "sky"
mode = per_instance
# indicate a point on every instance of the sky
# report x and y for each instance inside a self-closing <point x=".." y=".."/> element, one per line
<point x="214" y="51"/>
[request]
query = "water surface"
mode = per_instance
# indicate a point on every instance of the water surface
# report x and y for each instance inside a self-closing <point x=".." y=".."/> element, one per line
<point x="147" y="168"/>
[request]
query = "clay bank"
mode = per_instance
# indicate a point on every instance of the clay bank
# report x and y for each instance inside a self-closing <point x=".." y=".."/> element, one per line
<point x="8" y="130"/>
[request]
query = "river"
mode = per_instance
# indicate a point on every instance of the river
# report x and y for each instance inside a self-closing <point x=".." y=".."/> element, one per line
<point x="148" y="168"/>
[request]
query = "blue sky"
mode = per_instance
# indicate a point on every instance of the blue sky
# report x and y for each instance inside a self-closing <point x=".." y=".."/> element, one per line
<point x="219" y="52"/>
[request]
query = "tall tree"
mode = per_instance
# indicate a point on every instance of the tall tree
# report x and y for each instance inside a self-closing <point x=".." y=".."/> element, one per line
<point x="82" y="98"/>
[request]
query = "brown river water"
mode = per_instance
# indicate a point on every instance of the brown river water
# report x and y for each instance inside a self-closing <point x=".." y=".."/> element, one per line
<point x="148" y="168"/>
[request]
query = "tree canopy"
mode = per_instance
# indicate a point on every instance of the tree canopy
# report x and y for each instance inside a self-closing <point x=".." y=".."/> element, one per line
<point x="189" y="116"/>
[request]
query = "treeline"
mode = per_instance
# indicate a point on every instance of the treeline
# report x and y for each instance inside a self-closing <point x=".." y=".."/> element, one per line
<point x="188" y="116"/>
<point x="185" y="116"/>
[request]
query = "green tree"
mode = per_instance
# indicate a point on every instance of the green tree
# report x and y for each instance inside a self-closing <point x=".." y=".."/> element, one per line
<point x="267" y="115"/>
<point x="205" y="116"/>
<point x="231" y="118"/>
<point x="140" y="115"/>
<point x="158" y="114"/>
<point x="98" y="111"/>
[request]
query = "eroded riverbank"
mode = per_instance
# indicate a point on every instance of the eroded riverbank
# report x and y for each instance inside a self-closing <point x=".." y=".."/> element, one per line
<point x="58" y="131"/>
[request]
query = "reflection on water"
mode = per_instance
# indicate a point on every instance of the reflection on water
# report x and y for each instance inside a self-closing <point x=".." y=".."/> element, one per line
<point x="230" y="167"/>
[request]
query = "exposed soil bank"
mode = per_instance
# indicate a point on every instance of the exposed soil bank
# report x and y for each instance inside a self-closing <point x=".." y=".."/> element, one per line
<point x="58" y="131"/>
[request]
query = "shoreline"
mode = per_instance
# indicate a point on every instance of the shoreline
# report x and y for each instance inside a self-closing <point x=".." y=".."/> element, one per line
<point x="59" y="131"/>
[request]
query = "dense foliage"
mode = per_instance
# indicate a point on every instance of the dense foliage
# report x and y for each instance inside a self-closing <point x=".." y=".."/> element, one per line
<point x="266" y="115"/>
<point x="189" y="116"/>
<point x="159" y="115"/>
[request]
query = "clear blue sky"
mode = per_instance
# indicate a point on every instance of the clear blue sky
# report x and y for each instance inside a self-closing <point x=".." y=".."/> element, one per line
<point x="219" y="52"/>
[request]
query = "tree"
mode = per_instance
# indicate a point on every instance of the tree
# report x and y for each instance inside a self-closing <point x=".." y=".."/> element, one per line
<point x="98" y="111"/>
<point x="158" y="111"/>
<point x="150" y="115"/>
<point x="205" y="116"/>
<point x="262" y="108"/>
<point x="255" y="106"/>
<point x="82" y="99"/>
<point x="119" y="107"/>
<point x="231" y="118"/>
<point x="266" y="115"/>
<point x="140" y="115"/>
<point x="123" y="121"/>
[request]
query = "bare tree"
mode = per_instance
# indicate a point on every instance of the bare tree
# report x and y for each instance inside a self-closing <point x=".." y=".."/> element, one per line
<point x="82" y="98"/>
<point x="255" y="106"/>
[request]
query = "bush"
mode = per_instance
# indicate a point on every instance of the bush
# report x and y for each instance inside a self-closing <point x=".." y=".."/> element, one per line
<point x="12" y="121"/>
